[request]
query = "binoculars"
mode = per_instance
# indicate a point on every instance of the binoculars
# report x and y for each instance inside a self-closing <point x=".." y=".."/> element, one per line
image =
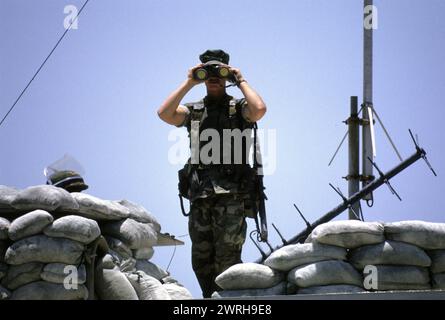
<point x="213" y="70"/>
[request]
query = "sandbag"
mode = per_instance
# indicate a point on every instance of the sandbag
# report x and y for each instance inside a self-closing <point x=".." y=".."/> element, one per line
<point x="29" y="224"/>
<point x="4" y="226"/>
<point x="22" y="274"/>
<point x="177" y="292"/>
<point x="325" y="273"/>
<point x="170" y="279"/>
<point x="58" y="272"/>
<point x="140" y="214"/>
<point x="437" y="260"/>
<point x="44" y="249"/>
<point x="4" y="293"/>
<point x="134" y="234"/>
<point x="279" y="289"/>
<point x="45" y="197"/>
<point x="427" y="235"/>
<point x="107" y="262"/>
<point x="349" y="234"/>
<point x="98" y="209"/>
<point x="75" y="228"/>
<point x="439" y="281"/>
<point x="42" y="290"/>
<point x="389" y="253"/>
<point x="248" y="276"/>
<point x="112" y="284"/>
<point x="143" y="253"/>
<point x="119" y="247"/>
<point x="290" y="256"/>
<point x="7" y="195"/>
<point x="151" y="269"/>
<point x="147" y="287"/>
<point x="402" y="278"/>
<point x="331" y="289"/>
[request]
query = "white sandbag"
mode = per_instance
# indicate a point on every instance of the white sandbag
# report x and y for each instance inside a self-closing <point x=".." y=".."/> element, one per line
<point x="147" y="287"/>
<point x="331" y="289"/>
<point x="402" y="278"/>
<point x="140" y="214"/>
<point x="349" y="233"/>
<point x="151" y="269"/>
<point x="58" y="272"/>
<point x="437" y="260"/>
<point x="4" y="293"/>
<point x="45" y="197"/>
<point x="4" y="226"/>
<point x="29" y="224"/>
<point x="113" y="285"/>
<point x="248" y="276"/>
<point x="427" y="235"/>
<point x="7" y="195"/>
<point x="22" y="274"/>
<point x="290" y="256"/>
<point x="44" y="249"/>
<point x="439" y="281"/>
<point x="3" y="269"/>
<point x="325" y="273"/>
<point x="134" y="234"/>
<point x="143" y="253"/>
<point x="389" y="253"/>
<point x="107" y="262"/>
<point x="76" y="228"/>
<point x="42" y="290"/>
<point x="97" y="209"/>
<point x="170" y="279"/>
<point x="277" y="290"/>
<point x="128" y="265"/>
<point x="119" y="247"/>
<point x="177" y="292"/>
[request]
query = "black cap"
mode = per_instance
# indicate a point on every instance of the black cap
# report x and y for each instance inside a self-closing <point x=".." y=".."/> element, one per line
<point x="215" y="55"/>
<point x="69" y="180"/>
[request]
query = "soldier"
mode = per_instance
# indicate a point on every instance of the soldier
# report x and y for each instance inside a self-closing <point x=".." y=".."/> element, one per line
<point x="219" y="191"/>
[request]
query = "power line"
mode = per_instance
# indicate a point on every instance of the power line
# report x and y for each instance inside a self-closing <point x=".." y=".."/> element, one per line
<point x="43" y="63"/>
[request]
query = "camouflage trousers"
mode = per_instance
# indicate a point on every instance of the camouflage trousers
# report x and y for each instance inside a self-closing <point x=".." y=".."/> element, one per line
<point x="217" y="228"/>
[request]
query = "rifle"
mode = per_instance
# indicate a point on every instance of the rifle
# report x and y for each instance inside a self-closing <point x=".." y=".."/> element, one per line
<point x="261" y="226"/>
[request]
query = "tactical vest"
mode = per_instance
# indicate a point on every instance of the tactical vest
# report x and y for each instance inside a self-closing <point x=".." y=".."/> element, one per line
<point x="226" y="115"/>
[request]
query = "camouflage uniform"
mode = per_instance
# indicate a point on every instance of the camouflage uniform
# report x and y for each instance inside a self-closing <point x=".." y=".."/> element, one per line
<point x="219" y="196"/>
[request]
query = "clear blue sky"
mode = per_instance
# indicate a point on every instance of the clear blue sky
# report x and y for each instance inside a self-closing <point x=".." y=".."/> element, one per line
<point x="97" y="98"/>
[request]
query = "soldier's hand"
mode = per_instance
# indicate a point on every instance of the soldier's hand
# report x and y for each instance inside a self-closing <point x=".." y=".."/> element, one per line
<point x="237" y="73"/>
<point x="190" y="77"/>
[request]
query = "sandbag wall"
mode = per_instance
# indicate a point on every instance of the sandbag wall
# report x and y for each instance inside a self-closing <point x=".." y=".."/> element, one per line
<point x="347" y="257"/>
<point x="48" y="239"/>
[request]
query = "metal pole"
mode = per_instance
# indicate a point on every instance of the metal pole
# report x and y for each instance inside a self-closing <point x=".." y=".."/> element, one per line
<point x="367" y="98"/>
<point x="300" y="237"/>
<point x="354" y="164"/>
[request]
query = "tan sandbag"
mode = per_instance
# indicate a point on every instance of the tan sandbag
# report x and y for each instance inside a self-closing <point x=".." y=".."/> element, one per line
<point x="45" y="197"/>
<point x="42" y="290"/>
<point x="427" y="235"/>
<point x="324" y="273"/>
<point x="22" y="274"/>
<point x="7" y="195"/>
<point x="140" y="214"/>
<point x="134" y="234"/>
<point x="248" y="276"/>
<point x="112" y="284"/>
<point x="64" y="273"/>
<point x="402" y="278"/>
<point x="147" y="287"/>
<point x="119" y="247"/>
<point x="29" y="224"/>
<point x="437" y="260"/>
<point x="97" y="209"/>
<point x="151" y="269"/>
<point x="331" y="289"/>
<point x="389" y="253"/>
<point x="143" y="253"/>
<point x="277" y="290"/>
<point x="177" y="292"/>
<point x="44" y="249"/>
<point x="4" y="227"/>
<point x="290" y="256"/>
<point x="73" y="227"/>
<point x="348" y="234"/>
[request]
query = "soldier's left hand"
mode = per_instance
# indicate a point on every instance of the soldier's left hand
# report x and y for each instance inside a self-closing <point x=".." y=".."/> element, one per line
<point x="237" y="73"/>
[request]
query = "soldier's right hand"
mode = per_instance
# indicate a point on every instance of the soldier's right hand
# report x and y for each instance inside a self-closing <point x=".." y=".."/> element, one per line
<point x="190" y="77"/>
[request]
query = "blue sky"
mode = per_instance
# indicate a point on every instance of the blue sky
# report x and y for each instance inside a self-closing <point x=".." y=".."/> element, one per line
<point x="98" y="94"/>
